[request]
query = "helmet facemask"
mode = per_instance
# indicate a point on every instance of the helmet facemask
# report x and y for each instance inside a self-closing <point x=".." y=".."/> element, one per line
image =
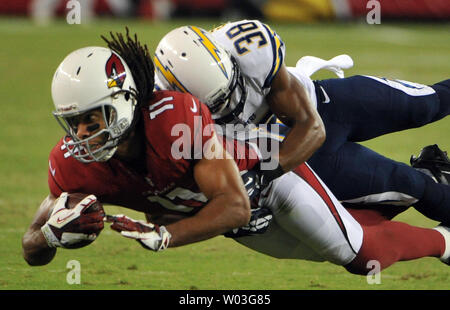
<point x="102" y="144"/>
<point x="94" y="85"/>
<point x="222" y="99"/>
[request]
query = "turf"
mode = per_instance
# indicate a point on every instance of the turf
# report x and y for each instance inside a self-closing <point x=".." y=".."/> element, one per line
<point x="29" y="54"/>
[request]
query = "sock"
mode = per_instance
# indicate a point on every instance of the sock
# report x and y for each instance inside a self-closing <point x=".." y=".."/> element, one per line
<point x="390" y="242"/>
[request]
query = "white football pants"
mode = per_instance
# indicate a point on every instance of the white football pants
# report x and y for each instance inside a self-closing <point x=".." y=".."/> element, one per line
<point x="309" y="222"/>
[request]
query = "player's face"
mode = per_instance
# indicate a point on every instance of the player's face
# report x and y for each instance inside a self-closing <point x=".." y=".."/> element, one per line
<point x="87" y="125"/>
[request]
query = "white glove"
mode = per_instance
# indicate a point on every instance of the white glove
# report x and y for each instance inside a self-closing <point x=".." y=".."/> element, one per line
<point x="150" y="236"/>
<point x="67" y="228"/>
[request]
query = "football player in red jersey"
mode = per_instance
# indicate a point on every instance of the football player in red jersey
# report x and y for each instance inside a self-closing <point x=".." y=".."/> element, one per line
<point x="119" y="147"/>
<point x="123" y="146"/>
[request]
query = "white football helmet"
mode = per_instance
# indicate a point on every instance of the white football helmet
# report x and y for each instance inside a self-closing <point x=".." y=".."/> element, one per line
<point x="94" y="78"/>
<point x="188" y="59"/>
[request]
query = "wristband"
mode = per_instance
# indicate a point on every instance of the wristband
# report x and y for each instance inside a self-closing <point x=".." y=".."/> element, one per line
<point x="49" y="236"/>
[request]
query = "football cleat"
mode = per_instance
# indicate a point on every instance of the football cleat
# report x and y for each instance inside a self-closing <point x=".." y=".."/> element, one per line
<point x="445" y="231"/>
<point x="433" y="162"/>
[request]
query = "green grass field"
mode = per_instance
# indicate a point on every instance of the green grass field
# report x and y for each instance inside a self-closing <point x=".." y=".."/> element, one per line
<point x="29" y="55"/>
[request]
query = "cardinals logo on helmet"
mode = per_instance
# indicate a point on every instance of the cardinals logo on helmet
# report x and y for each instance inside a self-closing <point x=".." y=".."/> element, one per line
<point x="115" y="71"/>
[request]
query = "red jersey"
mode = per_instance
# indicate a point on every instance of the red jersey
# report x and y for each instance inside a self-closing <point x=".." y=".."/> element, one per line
<point x="177" y="128"/>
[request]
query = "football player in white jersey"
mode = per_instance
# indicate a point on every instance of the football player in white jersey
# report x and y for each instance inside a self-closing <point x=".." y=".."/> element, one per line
<point x="238" y="70"/>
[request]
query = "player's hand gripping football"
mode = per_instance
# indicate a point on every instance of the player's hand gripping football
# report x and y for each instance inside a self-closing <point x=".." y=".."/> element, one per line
<point x="150" y="236"/>
<point x="74" y="226"/>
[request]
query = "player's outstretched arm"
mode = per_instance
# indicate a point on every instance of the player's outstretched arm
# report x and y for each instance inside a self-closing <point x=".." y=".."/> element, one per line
<point x="36" y="251"/>
<point x="228" y="203"/>
<point x="291" y="104"/>
<point x="228" y="207"/>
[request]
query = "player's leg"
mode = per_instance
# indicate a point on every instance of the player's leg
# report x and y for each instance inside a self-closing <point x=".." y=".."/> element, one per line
<point x="358" y="175"/>
<point x="311" y="224"/>
<point x="389" y="242"/>
<point x="277" y="242"/>
<point x="306" y="208"/>
<point x="368" y="107"/>
<point x="308" y="223"/>
<point x="383" y="240"/>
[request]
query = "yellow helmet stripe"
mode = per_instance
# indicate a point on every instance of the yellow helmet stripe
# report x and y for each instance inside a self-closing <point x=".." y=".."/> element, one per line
<point x="212" y="49"/>
<point x="170" y="77"/>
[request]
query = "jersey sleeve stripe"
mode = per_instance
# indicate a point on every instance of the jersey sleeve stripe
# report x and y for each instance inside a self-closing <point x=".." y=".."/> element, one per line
<point x="277" y="55"/>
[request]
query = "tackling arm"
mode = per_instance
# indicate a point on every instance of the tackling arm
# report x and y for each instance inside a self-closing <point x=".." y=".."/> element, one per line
<point x="36" y="251"/>
<point x="291" y="104"/>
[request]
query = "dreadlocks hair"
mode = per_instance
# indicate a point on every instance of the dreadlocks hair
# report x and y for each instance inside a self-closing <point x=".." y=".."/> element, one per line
<point x="138" y="60"/>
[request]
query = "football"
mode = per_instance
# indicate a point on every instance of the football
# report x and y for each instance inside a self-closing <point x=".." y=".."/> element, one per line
<point x="80" y="225"/>
<point x="74" y="198"/>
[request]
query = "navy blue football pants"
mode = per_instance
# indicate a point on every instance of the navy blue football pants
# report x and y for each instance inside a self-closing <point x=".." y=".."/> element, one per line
<point x="360" y="108"/>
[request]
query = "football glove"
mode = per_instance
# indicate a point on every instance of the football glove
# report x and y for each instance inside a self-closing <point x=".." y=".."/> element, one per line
<point x="268" y="175"/>
<point x="72" y="228"/>
<point x="259" y="222"/>
<point x="251" y="181"/>
<point x="150" y="236"/>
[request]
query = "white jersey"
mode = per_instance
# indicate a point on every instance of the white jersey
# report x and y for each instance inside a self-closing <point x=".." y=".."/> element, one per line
<point x="260" y="53"/>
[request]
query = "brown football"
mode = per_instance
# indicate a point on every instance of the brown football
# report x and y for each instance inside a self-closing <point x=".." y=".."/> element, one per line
<point x="74" y="198"/>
